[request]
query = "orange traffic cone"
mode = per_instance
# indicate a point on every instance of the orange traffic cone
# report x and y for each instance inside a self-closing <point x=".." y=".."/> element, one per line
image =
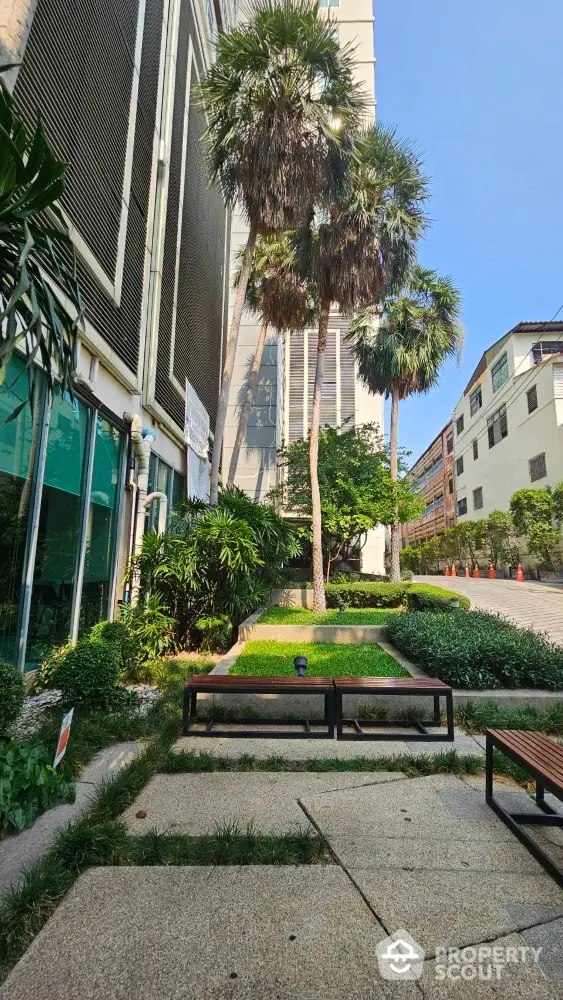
<point x="447" y="571"/>
<point x="491" y="573"/>
<point x="466" y="570"/>
<point x="476" y="573"/>
<point x="520" y="573"/>
<point x="454" y="570"/>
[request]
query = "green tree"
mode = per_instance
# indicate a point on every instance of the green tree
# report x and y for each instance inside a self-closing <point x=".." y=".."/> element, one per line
<point x="356" y="489"/>
<point x="533" y="512"/>
<point x="501" y="538"/>
<point x="359" y="252"/>
<point x="401" y="349"/>
<point x="34" y="243"/>
<point x="284" y="300"/>
<point x="276" y="98"/>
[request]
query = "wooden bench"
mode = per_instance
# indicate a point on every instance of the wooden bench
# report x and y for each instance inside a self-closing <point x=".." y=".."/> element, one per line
<point x="542" y="758"/>
<point x="227" y="684"/>
<point x="393" y="686"/>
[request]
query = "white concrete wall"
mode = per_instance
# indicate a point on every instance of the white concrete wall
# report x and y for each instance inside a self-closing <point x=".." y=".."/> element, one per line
<point x="503" y="469"/>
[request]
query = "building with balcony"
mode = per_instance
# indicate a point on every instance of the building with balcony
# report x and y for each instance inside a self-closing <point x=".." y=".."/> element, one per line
<point x="508" y="425"/>
<point x="115" y="86"/>
<point x="433" y="473"/>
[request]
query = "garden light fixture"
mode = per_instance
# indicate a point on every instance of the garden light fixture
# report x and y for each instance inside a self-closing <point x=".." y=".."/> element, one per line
<point x="300" y="664"/>
<point x="454" y="603"/>
<point x="341" y="605"/>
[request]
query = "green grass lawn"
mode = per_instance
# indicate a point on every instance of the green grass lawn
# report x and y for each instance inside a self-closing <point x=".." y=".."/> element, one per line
<point x="325" y="660"/>
<point x="352" y="616"/>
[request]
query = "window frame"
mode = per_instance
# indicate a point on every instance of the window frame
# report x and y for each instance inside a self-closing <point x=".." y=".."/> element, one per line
<point x="449" y="445"/>
<point x="459" y="466"/>
<point x="478" y="495"/>
<point x="460" y="513"/>
<point x="460" y="424"/>
<point x="540" y="455"/>
<point x="477" y="394"/>
<point x="475" y="444"/>
<point x="498" y="418"/>
<point x="534" y="390"/>
<point x="502" y="363"/>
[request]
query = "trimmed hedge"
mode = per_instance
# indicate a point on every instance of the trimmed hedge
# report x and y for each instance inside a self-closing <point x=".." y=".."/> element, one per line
<point x="475" y="650"/>
<point x="416" y="596"/>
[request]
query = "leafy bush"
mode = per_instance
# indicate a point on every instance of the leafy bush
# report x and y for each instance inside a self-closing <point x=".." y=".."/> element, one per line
<point x="125" y="642"/>
<point x="170" y="674"/>
<point x="366" y="595"/>
<point x="150" y="628"/>
<point x="416" y="596"/>
<point x="215" y="632"/>
<point x="426" y="597"/>
<point x="28" y="785"/>
<point x="476" y="650"/>
<point x="46" y="672"/>
<point x="87" y="674"/>
<point x="12" y="696"/>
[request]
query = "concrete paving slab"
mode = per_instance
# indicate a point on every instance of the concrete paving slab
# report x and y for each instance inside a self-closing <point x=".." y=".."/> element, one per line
<point x="296" y="749"/>
<point x="20" y="851"/>
<point x="548" y="937"/>
<point x="252" y="933"/>
<point x="413" y="854"/>
<point x="458" y="908"/>
<point x="412" y="809"/>
<point x="268" y="801"/>
<point x="523" y="979"/>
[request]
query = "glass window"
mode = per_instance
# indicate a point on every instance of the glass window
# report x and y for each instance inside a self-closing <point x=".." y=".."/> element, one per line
<point x="178" y="488"/>
<point x="59" y="527"/>
<point x="19" y="440"/>
<point x="499" y="373"/>
<point x="475" y="448"/>
<point x="450" y="486"/>
<point x="101" y="524"/>
<point x="532" y="396"/>
<point x="478" y="498"/>
<point x="538" y="468"/>
<point x="459" y="424"/>
<point x="462" y="506"/>
<point x="459" y="466"/>
<point x="449" y="445"/>
<point x="497" y="427"/>
<point x="475" y="401"/>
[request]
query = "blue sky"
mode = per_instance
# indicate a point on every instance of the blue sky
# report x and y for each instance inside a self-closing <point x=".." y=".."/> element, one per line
<point x="478" y="84"/>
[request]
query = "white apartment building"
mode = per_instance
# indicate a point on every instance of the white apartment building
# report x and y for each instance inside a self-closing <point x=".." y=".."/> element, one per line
<point x="508" y="425"/>
<point x="282" y="401"/>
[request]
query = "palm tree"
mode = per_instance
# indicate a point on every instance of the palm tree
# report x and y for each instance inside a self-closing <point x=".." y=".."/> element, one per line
<point x="285" y="301"/>
<point x="401" y="349"/>
<point x="276" y="98"/>
<point x="359" y="252"/>
<point x="34" y="243"/>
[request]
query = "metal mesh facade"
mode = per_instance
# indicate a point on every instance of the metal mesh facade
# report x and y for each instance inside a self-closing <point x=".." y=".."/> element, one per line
<point x="78" y="70"/>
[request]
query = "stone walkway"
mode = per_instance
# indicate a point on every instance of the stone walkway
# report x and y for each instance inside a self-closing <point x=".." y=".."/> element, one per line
<point x="529" y="603"/>
<point x="423" y="857"/>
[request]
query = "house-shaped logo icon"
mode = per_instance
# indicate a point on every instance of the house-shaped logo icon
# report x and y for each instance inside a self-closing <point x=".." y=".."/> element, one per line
<point x="400" y="957"/>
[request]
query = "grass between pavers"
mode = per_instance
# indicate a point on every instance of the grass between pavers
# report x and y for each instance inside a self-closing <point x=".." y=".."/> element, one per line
<point x="325" y="659"/>
<point x="352" y="616"/>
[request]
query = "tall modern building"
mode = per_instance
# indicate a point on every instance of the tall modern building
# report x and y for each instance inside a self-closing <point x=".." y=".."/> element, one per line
<point x="114" y="84"/>
<point x="281" y="409"/>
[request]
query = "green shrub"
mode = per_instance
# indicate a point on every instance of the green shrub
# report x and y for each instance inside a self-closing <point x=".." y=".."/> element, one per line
<point x="150" y="627"/>
<point x="426" y="597"/>
<point x="47" y="669"/>
<point x="12" y="695"/>
<point x="28" y="785"/>
<point x="87" y="674"/>
<point x="126" y="645"/>
<point x="215" y="633"/>
<point x="366" y="595"/>
<point x="476" y="650"/>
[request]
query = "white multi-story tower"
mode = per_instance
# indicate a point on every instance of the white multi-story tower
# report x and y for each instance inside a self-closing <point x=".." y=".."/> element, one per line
<point x="281" y="408"/>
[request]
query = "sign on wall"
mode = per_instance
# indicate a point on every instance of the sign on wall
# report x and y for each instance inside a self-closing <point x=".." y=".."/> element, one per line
<point x="197" y="440"/>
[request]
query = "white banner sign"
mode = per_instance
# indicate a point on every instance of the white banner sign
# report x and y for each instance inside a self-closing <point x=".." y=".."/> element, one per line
<point x="197" y="423"/>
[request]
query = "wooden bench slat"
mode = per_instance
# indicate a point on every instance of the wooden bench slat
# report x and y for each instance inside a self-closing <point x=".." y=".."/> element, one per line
<point x="395" y="683"/>
<point x="535" y="749"/>
<point x="218" y="681"/>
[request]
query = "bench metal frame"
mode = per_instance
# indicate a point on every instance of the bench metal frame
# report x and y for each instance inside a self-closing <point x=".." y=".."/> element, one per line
<point x="516" y="821"/>
<point x="328" y="720"/>
<point x="421" y="735"/>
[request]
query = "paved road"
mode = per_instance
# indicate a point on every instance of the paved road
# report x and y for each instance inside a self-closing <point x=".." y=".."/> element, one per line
<point x="537" y="604"/>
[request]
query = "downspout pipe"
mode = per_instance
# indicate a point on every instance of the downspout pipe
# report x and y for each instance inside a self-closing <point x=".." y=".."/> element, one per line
<point x="142" y="441"/>
<point x="162" y="509"/>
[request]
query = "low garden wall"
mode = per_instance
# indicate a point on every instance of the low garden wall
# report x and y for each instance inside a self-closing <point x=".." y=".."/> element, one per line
<point x="252" y="629"/>
<point x="293" y="597"/>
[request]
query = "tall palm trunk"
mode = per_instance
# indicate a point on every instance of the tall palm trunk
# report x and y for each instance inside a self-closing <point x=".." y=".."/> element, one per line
<point x="395" y="575"/>
<point x="319" y="599"/>
<point x="228" y="366"/>
<point x="245" y="412"/>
